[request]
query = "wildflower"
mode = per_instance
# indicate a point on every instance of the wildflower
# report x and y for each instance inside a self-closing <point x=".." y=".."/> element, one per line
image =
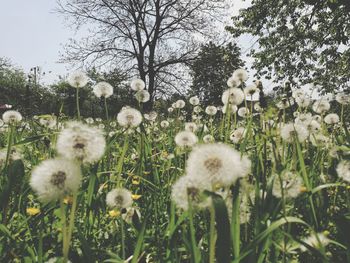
<point x="231" y="107"/>
<point x="243" y="112"/>
<point x="103" y="89"/>
<point x="312" y="127"/>
<point x="251" y="90"/>
<point x="303" y="118"/>
<point x="343" y="170"/>
<point x="170" y="110"/>
<point x="303" y="102"/>
<point x="55" y="178"/>
<point x="152" y="116"/>
<point x="285" y="103"/>
<point x="211" y="110"/>
<point x="318" y="139"/>
<point x="179" y="104"/>
<point x="164" y="124"/>
<point x="11" y="117"/>
<point x="298" y="94"/>
<point x="197" y="109"/>
<point x="316" y="240"/>
<point x="89" y="120"/>
<point x="113" y="213"/>
<point x="208" y="138"/>
<point x="257" y="107"/>
<point x="137" y="84"/>
<point x="191" y="126"/>
<point x="238" y="134"/>
<point x="142" y="96"/>
<point x="32" y="211"/>
<point x="288" y="186"/>
<point x="135" y="197"/>
<point x="78" y="79"/>
<point x="48" y="121"/>
<point x="119" y="198"/>
<point x="194" y="101"/>
<point x="343" y="98"/>
<point x="129" y="214"/>
<point x="189" y="190"/>
<point x="234" y="96"/>
<point x="129" y="117"/>
<point x="241" y="74"/>
<point x="291" y="130"/>
<point x="321" y="106"/>
<point x="233" y="82"/>
<point x="186" y="138"/>
<point x="81" y="142"/>
<point x="218" y="163"/>
<point x="331" y="118"/>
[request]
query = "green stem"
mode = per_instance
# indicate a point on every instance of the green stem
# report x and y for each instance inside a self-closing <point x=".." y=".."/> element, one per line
<point x="71" y="222"/>
<point x="64" y="232"/>
<point x="235" y="229"/>
<point x="122" y="233"/>
<point x="77" y="102"/>
<point x="212" y="238"/>
<point x="106" y="108"/>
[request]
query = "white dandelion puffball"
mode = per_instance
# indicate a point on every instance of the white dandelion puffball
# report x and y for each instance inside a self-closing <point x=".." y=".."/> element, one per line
<point x="291" y="130"/>
<point x="129" y="117"/>
<point x="197" y="109"/>
<point x="170" y="109"/>
<point x="119" y="198"/>
<point x="316" y="241"/>
<point x="238" y="134"/>
<point x="78" y="79"/>
<point x="288" y="186"/>
<point x="285" y="103"/>
<point x="321" y="106"/>
<point x="151" y="116"/>
<point x="298" y="94"/>
<point x="303" y="118"/>
<point x="233" y="82"/>
<point x="142" y="96"/>
<point x="243" y="112"/>
<point x="233" y="96"/>
<point x="194" y="101"/>
<point x="343" y="170"/>
<point x="220" y="164"/>
<point x="229" y="107"/>
<point x="164" y="124"/>
<point x="11" y="117"/>
<point x="188" y="189"/>
<point x="331" y="118"/>
<point x="103" y="89"/>
<point x="241" y="74"/>
<point x="249" y="91"/>
<point x="81" y="142"/>
<point x="312" y="127"/>
<point x="179" y="104"/>
<point x="185" y="139"/>
<point x="208" y="138"/>
<point x="137" y="84"/>
<point x="211" y="110"/>
<point x="303" y="102"/>
<point x="191" y="126"/>
<point x="257" y="107"/>
<point x="55" y="178"/>
<point x="48" y="121"/>
<point x="343" y="98"/>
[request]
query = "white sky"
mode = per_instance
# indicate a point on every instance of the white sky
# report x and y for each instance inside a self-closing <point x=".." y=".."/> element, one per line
<point x="32" y="34"/>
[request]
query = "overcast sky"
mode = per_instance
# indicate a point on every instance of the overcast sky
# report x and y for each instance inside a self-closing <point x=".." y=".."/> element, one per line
<point x="32" y="34"/>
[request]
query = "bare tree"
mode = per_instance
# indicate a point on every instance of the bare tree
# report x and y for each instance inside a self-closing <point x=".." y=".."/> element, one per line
<point x="147" y="38"/>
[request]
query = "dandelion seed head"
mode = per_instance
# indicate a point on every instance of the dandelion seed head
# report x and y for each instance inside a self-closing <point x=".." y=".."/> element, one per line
<point x="119" y="198"/>
<point x="234" y="96"/>
<point x="331" y="118"/>
<point x="129" y="117"/>
<point x="240" y="74"/>
<point x="103" y="89"/>
<point x="290" y="131"/>
<point x="288" y="186"/>
<point x="11" y="117"/>
<point x="194" y="100"/>
<point x="137" y="84"/>
<point x="78" y="79"/>
<point x="186" y="139"/>
<point x="211" y="110"/>
<point x="343" y="170"/>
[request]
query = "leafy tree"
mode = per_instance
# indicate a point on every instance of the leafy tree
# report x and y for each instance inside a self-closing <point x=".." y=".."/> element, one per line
<point x="211" y="69"/>
<point x="304" y="41"/>
<point x="147" y="38"/>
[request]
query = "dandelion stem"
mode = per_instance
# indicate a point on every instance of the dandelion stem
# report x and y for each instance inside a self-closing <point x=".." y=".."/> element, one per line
<point x="106" y="108"/>
<point x="77" y="102"/>
<point x="212" y="235"/>
<point x="71" y="221"/>
<point x="64" y="232"/>
<point x="122" y="233"/>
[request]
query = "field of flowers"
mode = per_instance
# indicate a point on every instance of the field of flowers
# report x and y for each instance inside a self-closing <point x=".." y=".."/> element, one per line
<point x="243" y="181"/>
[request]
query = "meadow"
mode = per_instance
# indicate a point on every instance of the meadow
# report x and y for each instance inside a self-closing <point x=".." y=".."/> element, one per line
<point x="244" y="181"/>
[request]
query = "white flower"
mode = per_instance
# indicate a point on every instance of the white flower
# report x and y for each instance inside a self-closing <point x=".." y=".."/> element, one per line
<point x="343" y="170"/>
<point x="151" y="116"/>
<point x="194" y="101"/>
<point x="298" y="94"/>
<point x="233" y="82"/>
<point x="81" y="142"/>
<point x="129" y="117"/>
<point x="303" y="118"/>
<point x="129" y="214"/>
<point x="234" y="96"/>
<point x="321" y="106"/>
<point x="89" y="120"/>
<point x="191" y="126"/>
<point x="211" y="110"/>
<point x="285" y="103"/>
<point x="188" y="189"/>
<point x="291" y="130"/>
<point x="257" y="107"/>
<point x="142" y="96"/>
<point x="243" y="112"/>
<point x="197" y="109"/>
<point x="208" y="138"/>
<point x="288" y="186"/>
<point x="78" y="79"/>
<point x="55" y="178"/>
<point x="251" y="90"/>
<point x="218" y="163"/>
<point x="170" y="110"/>
<point x="103" y="89"/>
<point x="137" y="84"/>
<point x="238" y="134"/>
<point x="318" y="139"/>
<point x="48" y="121"/>
<point x="233" y="108"/>
<point x="316" y="241"/>
<point x="164" y="124"/>
<point x="331" y="118"/>
<point x="241" y="74"/>
<point x="343" y="98"/>
<point x="179" y="104"/>
<point x="313" y="126"/>
<point x="119" y="198"/>
<point x="11" y="117"/>
<point x="186" y="138"/>
<point x="303" y="102"/>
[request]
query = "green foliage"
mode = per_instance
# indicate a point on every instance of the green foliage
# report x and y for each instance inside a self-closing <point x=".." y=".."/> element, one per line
<point x="302" y="41"/>
<point x="210" y="69"/>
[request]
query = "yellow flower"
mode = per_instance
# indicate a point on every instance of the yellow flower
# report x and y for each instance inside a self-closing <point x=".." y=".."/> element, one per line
<point x="135" y="180"/>
<point x="68" y="200"/>
<point x="32" y="211"/>
<point x="146" y="173"/>
<point x="113" y="213"/>
<point x="136" y="197"/>
<point x="303" y="189"/>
